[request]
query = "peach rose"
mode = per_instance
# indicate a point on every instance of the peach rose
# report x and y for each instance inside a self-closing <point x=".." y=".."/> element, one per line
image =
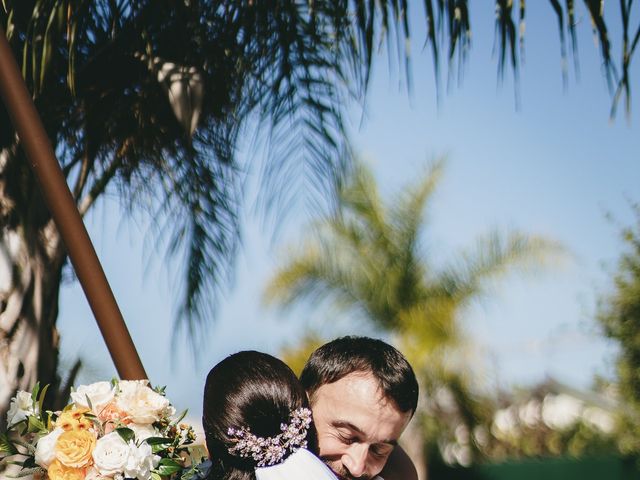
<point x="111" y="413"/>
<point x="74" y="448"/>
<point x="58" y="471"/>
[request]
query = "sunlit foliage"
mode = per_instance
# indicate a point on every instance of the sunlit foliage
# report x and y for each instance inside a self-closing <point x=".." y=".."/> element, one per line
<point x="371" y="258"/>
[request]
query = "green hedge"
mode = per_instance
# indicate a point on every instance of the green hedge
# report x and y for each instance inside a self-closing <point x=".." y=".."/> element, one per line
<point x="603" y="468"/>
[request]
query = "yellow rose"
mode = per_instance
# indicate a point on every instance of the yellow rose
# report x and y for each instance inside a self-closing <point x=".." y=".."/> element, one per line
<point x="74" y="420"/>
<point x="57" y="471"/>
<point x="74" y="447"/>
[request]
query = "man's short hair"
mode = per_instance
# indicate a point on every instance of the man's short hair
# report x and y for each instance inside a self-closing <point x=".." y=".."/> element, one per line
<point x="343" y="356"/>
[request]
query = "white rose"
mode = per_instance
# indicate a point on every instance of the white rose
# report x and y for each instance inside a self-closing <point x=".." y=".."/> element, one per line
<point x="142" y="432"/>
<point x="128" y="387"/>
<point x="141" y="403"/>
<point x="46" y="448"/>
<point x="94" y="474"/>
<point x="140" y="462"/>
<point x="110" y="454"/>
<point x="99" y="394"/>
<point x="20" y="408"/>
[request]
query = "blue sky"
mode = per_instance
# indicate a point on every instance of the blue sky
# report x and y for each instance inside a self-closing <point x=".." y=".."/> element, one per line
<point x="556" y="167"/>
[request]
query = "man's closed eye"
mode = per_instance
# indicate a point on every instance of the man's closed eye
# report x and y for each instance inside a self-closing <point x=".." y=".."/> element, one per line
<point x="381" y="451"/>
<point x="347" y="439"/>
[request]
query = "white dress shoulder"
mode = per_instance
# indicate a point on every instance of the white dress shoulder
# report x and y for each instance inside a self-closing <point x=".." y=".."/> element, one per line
<point x="302" y="464"/>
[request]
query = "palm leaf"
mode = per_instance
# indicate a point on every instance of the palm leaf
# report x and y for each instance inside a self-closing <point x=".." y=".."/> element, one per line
<point x="494" y="255"/>
<point x="369" y="262"/>
<point x="286" y="70"/>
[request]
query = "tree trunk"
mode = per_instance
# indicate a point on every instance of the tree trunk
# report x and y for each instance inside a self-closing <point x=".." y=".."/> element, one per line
<point x="31" y="260"/>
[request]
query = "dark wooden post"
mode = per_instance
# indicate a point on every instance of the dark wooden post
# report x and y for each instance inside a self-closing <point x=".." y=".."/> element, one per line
<point x="56" y="192"/>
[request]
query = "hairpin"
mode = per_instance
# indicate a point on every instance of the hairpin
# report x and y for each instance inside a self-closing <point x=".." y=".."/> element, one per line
<point x="271" y="450"/>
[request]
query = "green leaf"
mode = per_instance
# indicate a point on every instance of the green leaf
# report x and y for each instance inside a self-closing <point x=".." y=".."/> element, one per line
<point x="10" y="25"/>
<point x="160" y="390"/>
<point x="47" y="47"/>
<point x="41" y="397"/>
<point x="35" y="425"/>
<point x="89" y="402"/>
<point x="168" y="469"/>
<point x="126" y="434"/>
<point x="181" y="417"/>
<point x="155" y="476"/>
<point x="7" y="445"/>
<point x="26" y="472"/>
<point x="159" y="441"/>
<point x="27" y="446"/>
<point x="199" y="469"/>
<point x="34" y="392"/>
<point x="168" y="466"/>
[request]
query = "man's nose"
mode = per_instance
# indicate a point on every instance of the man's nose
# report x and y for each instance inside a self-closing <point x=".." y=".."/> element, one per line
<point x="355" y="459"/>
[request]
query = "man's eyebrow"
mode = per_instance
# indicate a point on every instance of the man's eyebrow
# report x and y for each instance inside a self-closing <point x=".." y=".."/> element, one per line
<point x="358" y="430"/>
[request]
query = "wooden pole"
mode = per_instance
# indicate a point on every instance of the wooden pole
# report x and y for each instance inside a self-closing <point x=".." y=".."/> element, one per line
<point x="55" y="190"/>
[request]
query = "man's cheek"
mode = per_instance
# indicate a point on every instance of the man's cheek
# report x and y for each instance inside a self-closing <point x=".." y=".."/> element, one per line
<point x="330" y="448"/>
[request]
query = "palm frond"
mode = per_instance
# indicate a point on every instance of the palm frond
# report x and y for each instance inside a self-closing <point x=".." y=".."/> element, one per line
<point x="209" y="228"/>
<point x="494" y="255"/>
<point x="600" y="31"/>
<point x="309" y="276"/>
<point x="360" y="199"/>
<point x="507" y="37"/>
<point x="563" y="43"/>
<point x="628" y="49"/>
<point x="287" y="69"/>
<point x="408" y="211"/>
<point x="571" y="26"/>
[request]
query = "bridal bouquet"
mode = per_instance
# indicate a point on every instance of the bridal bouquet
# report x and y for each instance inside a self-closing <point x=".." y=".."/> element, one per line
<point x="111" y="430"/>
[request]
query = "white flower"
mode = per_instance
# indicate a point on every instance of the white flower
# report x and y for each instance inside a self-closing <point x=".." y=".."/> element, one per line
<point x="110" y="454"/>
<point x="99" y="394"/>
<point x="141" y="403"/>
<point x="142" y="432"/>
<point x="20" y="408"/>
<point x="46" y="448"/>
<point x="94" y="474"/>
<point x="140" y="462"/>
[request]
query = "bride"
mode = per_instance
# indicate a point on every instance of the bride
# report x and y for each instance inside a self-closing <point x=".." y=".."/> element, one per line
<point x="257" y="422"/>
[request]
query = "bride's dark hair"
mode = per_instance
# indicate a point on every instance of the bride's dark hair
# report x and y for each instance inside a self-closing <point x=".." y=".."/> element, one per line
<point x="248" y="389"/>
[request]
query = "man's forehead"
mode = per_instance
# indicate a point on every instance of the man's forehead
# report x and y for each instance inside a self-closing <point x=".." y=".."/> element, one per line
<point x="357" y="385"/>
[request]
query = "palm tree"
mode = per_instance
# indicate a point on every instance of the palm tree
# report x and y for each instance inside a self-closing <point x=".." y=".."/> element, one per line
<point x="367" y="258"/>
<point x="150" y="99"/>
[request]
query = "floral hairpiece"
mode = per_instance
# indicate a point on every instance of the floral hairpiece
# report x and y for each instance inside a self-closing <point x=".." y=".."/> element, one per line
<point x="271" y="450"/>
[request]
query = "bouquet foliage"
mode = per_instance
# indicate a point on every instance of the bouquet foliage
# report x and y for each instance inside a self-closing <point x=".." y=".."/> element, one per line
<point x="111" y="430"/>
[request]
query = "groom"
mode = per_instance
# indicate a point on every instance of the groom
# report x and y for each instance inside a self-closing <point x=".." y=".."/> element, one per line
<point x="363" y="393"/>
